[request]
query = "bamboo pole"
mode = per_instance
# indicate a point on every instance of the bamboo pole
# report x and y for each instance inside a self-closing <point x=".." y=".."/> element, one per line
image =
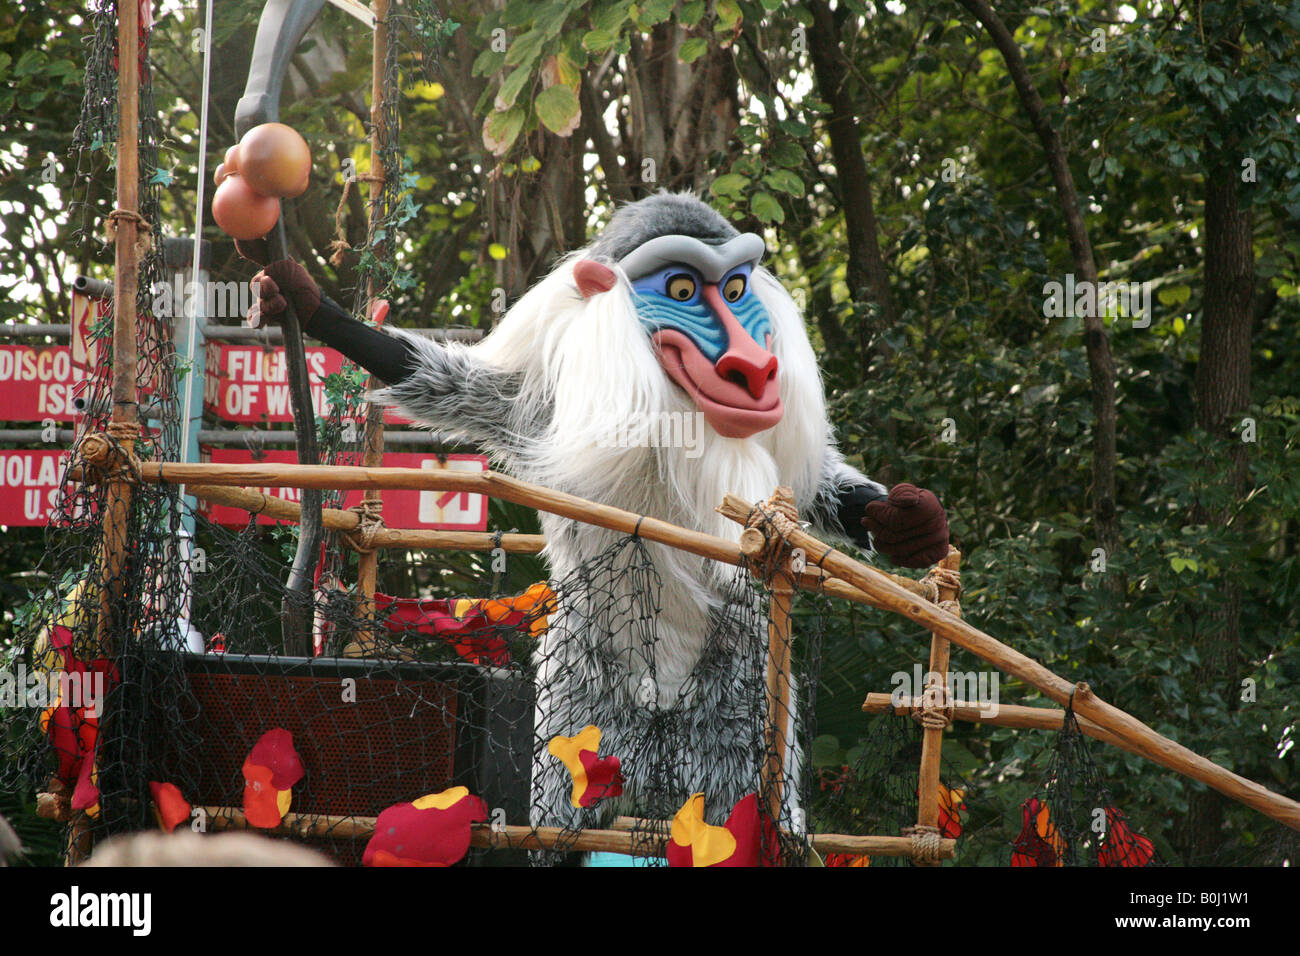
<point x="335" y="519"/>
<point x="510" y="837"/>
<point x="1005" y="715"/>
<point x="779" y="641"/>
<point x="124" y="417"/>
<point x="1142" y="738"/>
<point x="124" y="420"/>
<point x="270" y="474"/>
<point x="368" y="562"/>
<point x="876" y="588"/>
<point x="936" y="693"/>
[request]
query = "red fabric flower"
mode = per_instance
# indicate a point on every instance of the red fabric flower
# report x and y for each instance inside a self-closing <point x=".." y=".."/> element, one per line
<point x="173" y="809"/>
<point x="1039" y="842"/>
<point x="270" y="772"/>
<point x="746" y="839"/>
<point x="434" y="830"/>
<point x="594" y="777"/>
<point x="951" y="805"/>
<point x="1121" y="846"/>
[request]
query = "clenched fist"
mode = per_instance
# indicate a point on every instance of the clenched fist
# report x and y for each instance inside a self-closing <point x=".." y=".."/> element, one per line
<point x="909" y="526"/>
<point x="277" y="281"/>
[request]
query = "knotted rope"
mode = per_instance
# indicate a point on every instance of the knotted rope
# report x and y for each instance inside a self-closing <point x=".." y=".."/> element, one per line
<point x="143" y="231"/>
<point x="926" y="843"/>
<point x="112" y="452"/>
<point x="937" y="708"/>
<point x="939" y="578"/>
<point x="364" y="539"/>
<point x="774" y="520"/>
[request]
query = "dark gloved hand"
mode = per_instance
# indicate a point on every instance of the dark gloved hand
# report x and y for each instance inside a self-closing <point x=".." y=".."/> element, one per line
<point x="909" y="527"/>
<point x="277" y="281"/>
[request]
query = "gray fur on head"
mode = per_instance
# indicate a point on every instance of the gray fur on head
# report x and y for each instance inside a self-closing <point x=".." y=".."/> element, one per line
<point x="663" y="214"/>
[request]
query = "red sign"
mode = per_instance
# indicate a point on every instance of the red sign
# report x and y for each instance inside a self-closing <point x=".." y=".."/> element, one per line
<point x="437" y="510"/>
<point x="86" y="314"/>
<point x="249" y="383"/>
<point x="29" y="485"/>
<point x="38" y="382"/>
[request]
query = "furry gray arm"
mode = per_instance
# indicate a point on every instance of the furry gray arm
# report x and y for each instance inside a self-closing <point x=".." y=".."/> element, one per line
<point x="450" y="389"/>
<point x="842" y="499"/>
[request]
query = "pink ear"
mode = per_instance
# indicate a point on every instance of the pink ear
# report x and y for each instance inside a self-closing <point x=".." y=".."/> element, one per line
<point x="593" y="278"/>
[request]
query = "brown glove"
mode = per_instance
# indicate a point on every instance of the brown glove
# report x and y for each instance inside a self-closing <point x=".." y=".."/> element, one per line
<point x="274" y="283"/>
<point x="909" y="527"/>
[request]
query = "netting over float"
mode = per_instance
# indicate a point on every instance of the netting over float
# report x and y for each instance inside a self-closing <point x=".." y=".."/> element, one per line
<point x="445" y="696"/>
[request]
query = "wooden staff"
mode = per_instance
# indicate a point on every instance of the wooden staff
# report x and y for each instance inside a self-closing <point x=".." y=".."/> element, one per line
<point x="936" y="693"/>
<point x="1153" y="746"/>
<point x="126" y="280"/>
<point x="510" y="837"/>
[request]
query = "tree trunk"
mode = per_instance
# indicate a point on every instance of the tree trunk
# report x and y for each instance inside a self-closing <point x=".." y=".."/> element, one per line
<point x="1222" y="397"/>
<point x="865" y="272"/>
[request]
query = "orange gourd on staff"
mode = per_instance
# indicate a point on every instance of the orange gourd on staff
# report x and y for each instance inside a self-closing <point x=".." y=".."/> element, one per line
<point x="241" y="211"/>
<point x="274" y="160"/>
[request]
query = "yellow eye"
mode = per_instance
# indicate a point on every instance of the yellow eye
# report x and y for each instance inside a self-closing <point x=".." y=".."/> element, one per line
<point x="734" y="288"/>
<point x="681" y="288"/>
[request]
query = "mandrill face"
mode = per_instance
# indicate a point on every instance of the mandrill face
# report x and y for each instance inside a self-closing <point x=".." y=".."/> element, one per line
<point x="712" y="333"/>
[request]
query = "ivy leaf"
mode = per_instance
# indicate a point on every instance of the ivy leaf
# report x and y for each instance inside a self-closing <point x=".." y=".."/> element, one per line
<point x="28" y="62"/>
<point x="598" y="40"/>
<point x="786" y="152"/>
<point x="766" y="208"/>
<point x="654" y="12"/>
<point x="692" y="13"/>
<point x="526" y="49"/>
<point x="488" y="62"/>
<point x="729" y="186"/>
<point x="502" y="129"/>
<point x="785" y="181"/>
<point x="612" y="20"/>
<point x="559" y="110"/>
<point x="728" y="14"/>
<point x="692" y="49"/>
<point x="512" y="87"/>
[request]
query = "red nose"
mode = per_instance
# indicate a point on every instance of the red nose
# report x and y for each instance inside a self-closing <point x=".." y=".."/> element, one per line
<point x="745" y="362"/>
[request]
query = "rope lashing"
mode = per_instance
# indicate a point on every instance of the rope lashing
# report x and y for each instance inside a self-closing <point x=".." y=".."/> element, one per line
<point x="364" y="539"/>
<point x="112" y="452"/>
<point x="340" y="245"/>
<point x="768" y="529"/>
<point x="926" y="843"/>
<point x="939" y="578"/>
<point x="937" y="708"/>
<point x="143" y="231"/>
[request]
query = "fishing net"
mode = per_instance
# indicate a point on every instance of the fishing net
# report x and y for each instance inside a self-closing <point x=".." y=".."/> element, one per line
<point x="1072" y="820"/>
<point x="546" y="702"/>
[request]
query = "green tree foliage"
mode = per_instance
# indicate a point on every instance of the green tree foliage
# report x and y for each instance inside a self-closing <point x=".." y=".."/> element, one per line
<point x="943" y="364"/>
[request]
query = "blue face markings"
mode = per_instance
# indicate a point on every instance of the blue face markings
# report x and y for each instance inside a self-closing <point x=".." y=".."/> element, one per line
<point x="673" y="298"/>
